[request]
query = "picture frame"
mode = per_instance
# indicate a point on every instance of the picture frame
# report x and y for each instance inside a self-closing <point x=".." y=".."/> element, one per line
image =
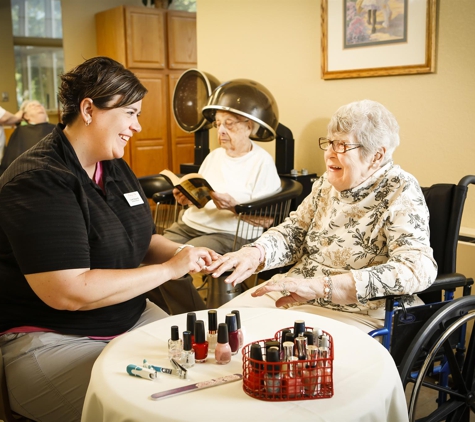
<point x="365" y="38"/>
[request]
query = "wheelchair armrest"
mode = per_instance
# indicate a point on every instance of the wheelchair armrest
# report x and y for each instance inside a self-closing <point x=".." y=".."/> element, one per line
<point x="162" y="196"/>
<point x="448" y="282"/>
<point x="442" y="282"/>
<point x="290" y="189"/>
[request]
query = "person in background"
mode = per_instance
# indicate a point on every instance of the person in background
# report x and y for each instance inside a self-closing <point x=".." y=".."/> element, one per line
<point x="239" y="171"/>
<point x="25" y="136"/>
<point x="78" y="248"/>
<point x="362" y="233"/>
<point x="7" y="118"/>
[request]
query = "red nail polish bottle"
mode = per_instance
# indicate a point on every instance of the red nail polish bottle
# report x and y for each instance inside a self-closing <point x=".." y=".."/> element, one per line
<point x="190" y="325"/>
<point x="200" y="346"/>
<point x="233" y="333"/>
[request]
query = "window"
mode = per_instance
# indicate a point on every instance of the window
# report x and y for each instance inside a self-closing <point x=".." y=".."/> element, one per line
<point x="38" y="45"/>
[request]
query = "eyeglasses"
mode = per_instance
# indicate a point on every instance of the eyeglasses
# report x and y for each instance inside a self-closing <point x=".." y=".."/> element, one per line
<point x="340" y="147"/>
<point x="228" y="124"/>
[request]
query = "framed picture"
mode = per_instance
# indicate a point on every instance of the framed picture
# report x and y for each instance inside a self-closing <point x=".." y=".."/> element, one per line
<point x="362" y="38"/>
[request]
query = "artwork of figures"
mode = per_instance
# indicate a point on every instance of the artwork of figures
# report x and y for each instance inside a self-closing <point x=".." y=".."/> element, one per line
<point x="369" y="22"/>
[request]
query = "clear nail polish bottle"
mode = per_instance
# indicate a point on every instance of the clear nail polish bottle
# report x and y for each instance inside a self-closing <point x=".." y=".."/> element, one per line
<point x="222" y="352"/>
<point x="312" y="378"/>
<point x="188" y="354"/>
<point x="212" y="330"/>
<point x="239" y="328"/>
<point x="175" y="344"/>
<point x="272" y="377"/>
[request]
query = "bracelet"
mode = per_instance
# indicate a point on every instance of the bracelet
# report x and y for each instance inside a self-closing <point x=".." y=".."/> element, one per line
<point x="180" y="248"/>
<point x="260" y="249"/>
<point x="327" y="289"/>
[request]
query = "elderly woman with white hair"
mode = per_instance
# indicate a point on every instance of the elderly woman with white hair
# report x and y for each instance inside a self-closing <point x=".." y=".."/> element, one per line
<point x="362" y="233"/>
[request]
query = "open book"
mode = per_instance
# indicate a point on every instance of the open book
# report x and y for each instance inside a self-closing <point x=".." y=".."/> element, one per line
<point x="193" y="186"/>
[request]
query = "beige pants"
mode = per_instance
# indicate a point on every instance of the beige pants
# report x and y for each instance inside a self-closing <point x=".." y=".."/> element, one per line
<point x="48" y="373"/>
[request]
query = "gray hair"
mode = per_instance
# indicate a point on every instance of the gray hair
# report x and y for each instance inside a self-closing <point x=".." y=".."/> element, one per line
<point x="372" y="125"/>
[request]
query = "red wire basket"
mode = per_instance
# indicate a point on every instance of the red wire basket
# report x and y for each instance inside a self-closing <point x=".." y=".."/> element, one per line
<point x="285" y="381"/>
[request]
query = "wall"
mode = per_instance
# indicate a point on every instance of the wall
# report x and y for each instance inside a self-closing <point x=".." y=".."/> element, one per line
<point x="79" y="27"/>
<point x="277" y="43"/>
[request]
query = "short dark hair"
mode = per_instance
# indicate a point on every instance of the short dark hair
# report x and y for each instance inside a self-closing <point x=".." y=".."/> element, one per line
<point x="101" y="79"/>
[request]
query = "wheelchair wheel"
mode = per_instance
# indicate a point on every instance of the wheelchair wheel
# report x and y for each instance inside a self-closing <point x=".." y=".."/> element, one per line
<point x="435" y="367"/>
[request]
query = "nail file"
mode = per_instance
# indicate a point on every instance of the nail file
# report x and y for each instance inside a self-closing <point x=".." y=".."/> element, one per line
<point x="198" y="386"/>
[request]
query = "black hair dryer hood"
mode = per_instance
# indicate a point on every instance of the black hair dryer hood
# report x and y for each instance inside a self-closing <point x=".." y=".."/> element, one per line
<point x="249" y="99"/>
<point x="191" y="94"/>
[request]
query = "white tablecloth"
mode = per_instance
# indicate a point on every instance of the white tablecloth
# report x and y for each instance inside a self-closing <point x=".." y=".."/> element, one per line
<point x="367" y="386"/>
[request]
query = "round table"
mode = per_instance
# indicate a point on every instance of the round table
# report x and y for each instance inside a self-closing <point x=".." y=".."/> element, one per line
<point x="366" y="383"/>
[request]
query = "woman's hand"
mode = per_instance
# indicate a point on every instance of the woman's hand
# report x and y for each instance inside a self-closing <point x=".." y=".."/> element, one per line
<point x="224" y="201"/>
<point x="191" y="260"/>
<point x="293" y="289"/>
<point x="180" y="198"/>
<point x="244" y="263"/>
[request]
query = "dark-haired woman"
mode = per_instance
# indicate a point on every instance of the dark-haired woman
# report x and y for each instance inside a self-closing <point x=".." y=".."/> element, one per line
<point x="75" y="228"/>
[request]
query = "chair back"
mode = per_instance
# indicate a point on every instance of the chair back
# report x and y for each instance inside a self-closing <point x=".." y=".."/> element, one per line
<point x="445" y="203"/>
<point x="257" y="217"/>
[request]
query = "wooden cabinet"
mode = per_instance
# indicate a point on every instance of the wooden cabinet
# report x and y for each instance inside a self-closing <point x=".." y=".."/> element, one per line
<point x="157" y="45"/>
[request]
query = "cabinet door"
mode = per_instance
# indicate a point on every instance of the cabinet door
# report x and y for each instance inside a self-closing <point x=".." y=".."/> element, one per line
<point x="145" y="37"/>
<point x="149" y="149"/>
<point x="182" y="143"/>
<point x="181" y="40"/>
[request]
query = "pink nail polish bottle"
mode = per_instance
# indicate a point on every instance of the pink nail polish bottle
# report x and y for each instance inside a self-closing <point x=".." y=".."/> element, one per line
<point x="222" y="353"/>
<point x="239" y="329"/>
<point x="212" y="330"/>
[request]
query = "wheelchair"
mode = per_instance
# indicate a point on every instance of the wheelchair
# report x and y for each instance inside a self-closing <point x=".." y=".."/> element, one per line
<point x="428" y="342"/>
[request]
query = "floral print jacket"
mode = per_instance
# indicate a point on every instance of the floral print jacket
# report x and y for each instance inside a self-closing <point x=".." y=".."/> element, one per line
<point x="378" y="231"/>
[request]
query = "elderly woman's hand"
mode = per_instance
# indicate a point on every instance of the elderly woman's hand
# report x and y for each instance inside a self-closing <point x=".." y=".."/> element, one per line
<point x="223" y="201"/>
<point x="180" y="198"/>
<point x="191" y="260"/>
<point x="244" y="263"/>
<point x="293" y="289"/>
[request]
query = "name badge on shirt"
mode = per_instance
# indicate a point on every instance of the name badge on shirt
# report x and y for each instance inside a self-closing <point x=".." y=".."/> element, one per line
<point x="133" y="198"/>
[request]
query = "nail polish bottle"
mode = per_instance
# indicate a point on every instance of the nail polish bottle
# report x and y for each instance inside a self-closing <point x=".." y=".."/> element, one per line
<point x="190" y="324"/>
<point x="212" y="330"/>
<point x="272" y="343"/>
<point x="324" y="353"/>
<point x="200" y="346"/>
<point x="233" y="333"/>
<point x="272" y="377"/>
<point x="292" y="385"/>
<point x="309" y="336"/>
<point x="255" y="376"/>
<point x="283" y="337"/>
<point x="301" y="347"/>
<point x="188" y="354"/>
<point x="175" y="344"/>
<point x="299" y="327"/>
<point x="222" y="351"/>
<point x="239" y="328"/>
<point x="311" y="375"/>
